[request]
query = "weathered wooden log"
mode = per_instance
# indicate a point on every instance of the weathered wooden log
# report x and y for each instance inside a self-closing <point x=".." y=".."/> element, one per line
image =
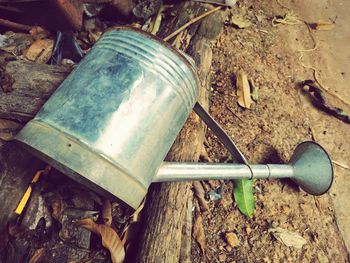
<point x="25" y="86"/>
<point x="17" y="168"/>
<point x="166" y="231"/>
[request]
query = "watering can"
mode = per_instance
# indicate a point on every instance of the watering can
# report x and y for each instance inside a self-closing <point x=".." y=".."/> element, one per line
<point x="112" y="121"/>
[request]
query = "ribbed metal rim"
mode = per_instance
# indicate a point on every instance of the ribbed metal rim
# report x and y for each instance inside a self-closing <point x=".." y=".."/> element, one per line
<point x="177" y="64"/>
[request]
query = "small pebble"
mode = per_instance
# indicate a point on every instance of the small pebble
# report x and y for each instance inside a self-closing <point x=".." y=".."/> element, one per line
<point x="222" y="257"/>
<point x="232" y="239"/>
<point x="248" y="230"/>
<point x="228" y="248"/>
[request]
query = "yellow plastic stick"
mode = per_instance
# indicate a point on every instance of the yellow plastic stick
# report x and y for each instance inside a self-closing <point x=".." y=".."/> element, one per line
<point x="26" y="196"/>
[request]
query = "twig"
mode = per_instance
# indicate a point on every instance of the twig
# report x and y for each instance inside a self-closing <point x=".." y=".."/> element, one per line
<point x="194" y="20"/>
<point x="200" y="193"/>
<point x="157" y="21"/>
<point x="230" y="110"/>
<point x="311" y="36"/>
<point x="11" y="9"/>
<point x="13" y="25"/>
<point x="344" y="166"/>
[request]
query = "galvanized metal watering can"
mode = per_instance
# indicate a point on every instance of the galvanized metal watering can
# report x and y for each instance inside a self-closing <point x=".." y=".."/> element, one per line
<point x="112" y="121"/>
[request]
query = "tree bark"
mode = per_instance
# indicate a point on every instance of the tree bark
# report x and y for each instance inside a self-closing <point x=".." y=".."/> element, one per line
<point x="25" y="87"/>
<point x="17" y="168"/>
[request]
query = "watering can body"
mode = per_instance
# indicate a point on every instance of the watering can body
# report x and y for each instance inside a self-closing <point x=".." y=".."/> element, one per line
<point x="111" y="123"/>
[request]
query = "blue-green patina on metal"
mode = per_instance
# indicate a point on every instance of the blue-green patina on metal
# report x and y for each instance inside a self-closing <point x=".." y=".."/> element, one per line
<point x="115" y="117"/>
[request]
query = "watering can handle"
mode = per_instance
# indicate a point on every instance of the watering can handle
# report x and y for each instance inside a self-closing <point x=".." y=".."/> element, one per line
<point x="220" y="133"/>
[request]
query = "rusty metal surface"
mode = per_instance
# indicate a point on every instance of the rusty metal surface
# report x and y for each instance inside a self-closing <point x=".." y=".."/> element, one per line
<point x="72" y="10"/>
<point x="52" y="14"/>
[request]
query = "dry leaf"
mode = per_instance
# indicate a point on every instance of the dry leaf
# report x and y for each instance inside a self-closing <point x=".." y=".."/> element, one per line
<point x="38" y="32"/>
<point x="107" y="212"/>
<point x="324" y="25"/>
<point x="198" y="231"/>
<point x="260" y="17"/>
<point x="288" y="238"/>
<point x="37" y="256"/>
<point x="55" y="202"/>
<point x="287" y="19"/>
<point x="57" y="207"/>
<point x="131" y="231"/>
<point x="241" y="22"/>
<point x="40" y="51"/>
<point x="110" y="238"/>
<point x="16" y="43"/>
<point x="136" y="216"/>
<point x="204" y="156"/>
<point x="200" y="193"/>
<point x="8" y="129"/>
<point x="94" y="36"/>
<point x="243" y="90"/>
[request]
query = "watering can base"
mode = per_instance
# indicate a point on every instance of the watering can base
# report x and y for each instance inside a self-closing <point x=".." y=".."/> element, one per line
<point x="74" y="159"/>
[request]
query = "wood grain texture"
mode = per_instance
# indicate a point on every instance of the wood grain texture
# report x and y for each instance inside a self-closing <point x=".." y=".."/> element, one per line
<point x="17" y="168"/>
<point x="25" y="87"/>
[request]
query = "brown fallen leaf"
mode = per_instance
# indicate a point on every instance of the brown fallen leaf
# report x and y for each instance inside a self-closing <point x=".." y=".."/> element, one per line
<point x="131" y="231"/>
<point x="288" y="238"/>
<point x="8" y="129"/>
<point x="37" y="256"/>
<point x="38" y="32"/>
<point x="204" y="155"/>
<point x="40" y="51"/>
<point x="198" y="231"/>
<point x="200" y="193"/>
<point x="240" y="22"/>
<point x="243" y="90"/>
<point x="107" y="212"/>
<point x="323" y="25"/>
<point x="287" y="19"/>
<point x="55" y="202"/>
<point x="110" y="238"/>
<point x="17" y="43"/>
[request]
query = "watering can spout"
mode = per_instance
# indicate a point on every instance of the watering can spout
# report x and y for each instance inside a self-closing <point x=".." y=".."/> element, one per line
<point x="310" y="167"/>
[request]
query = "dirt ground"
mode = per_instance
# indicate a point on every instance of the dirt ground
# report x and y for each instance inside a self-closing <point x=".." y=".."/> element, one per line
<point x="281" y="118"/>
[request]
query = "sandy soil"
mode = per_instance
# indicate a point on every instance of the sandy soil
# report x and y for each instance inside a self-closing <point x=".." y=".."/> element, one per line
<point x="268" y="132"/>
